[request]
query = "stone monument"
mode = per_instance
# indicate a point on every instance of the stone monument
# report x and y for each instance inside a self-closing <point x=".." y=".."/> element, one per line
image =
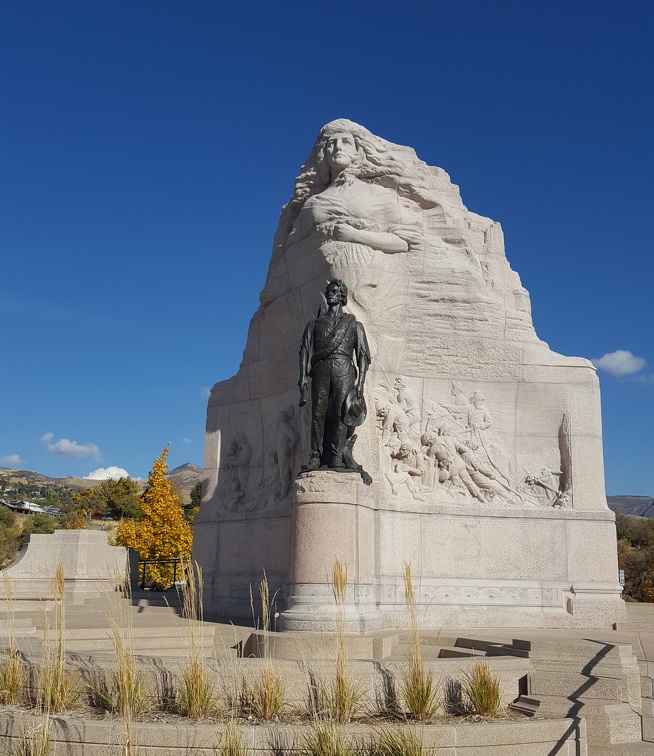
<point x="482" y="447"/>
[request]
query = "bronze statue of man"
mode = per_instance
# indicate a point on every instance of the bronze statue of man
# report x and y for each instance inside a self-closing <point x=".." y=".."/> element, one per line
<point x="335" y="354"/>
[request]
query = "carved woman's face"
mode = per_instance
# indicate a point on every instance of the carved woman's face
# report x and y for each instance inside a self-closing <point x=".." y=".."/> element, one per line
<point x="341" y="150"/>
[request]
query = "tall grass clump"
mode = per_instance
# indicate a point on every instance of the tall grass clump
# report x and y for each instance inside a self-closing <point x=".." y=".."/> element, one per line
<point x="125" y="692"/>
<point x="341" y="699"/>
<point x="482" y="690"/>
<point x="56" y="688"/>
<point x="196" y="695"/>
<point x="232" y="743"/>
<point x="36" y="740"/>
<point x="264" y="697"/>
<point x="417" y="685"/>
<point x="326" y="738"/>
<point x="13" y="672"/>
<point x="395" y="741"/>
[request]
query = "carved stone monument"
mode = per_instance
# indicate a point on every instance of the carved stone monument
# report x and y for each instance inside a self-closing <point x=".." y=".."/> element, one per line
<point x="483" y="446"/>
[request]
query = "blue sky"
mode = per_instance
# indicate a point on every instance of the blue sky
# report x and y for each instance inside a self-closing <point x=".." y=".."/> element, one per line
<point x="147" y="148"/>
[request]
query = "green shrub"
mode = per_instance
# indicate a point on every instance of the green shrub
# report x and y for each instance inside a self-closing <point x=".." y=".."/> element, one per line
<point x="7" y="517"/>
<point x="11" y="537"/>
<point x="39" y="523"/>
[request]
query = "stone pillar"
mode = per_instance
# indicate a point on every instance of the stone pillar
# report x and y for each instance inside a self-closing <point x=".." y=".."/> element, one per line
<point x="332" y="518"/>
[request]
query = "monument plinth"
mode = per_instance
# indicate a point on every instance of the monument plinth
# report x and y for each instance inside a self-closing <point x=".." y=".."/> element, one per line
<point x="333" y="517"/>
<point x="483" y="447"/>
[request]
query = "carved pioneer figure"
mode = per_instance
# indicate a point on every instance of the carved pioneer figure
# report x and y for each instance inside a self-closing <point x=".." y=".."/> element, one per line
<point x="331" y="345"/>
<point x="237" y="460"/>
<point x="287" y="439"/>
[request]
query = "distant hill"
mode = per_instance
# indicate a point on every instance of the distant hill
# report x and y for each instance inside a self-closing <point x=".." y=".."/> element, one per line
<point x="639" y="506"/>
<point x="184" y="477"/>
<point x="36" y="479"/>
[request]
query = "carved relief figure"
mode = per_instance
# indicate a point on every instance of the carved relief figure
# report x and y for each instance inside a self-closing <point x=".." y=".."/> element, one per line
<point x="347" y="207"/>
<point x="406" y="469"/>
<point x="409" y="402"/>
<point x="359" y="215"/>
<point x="542" y="487"/>
<point x="394" y="421"/>
<point x="237" y="460"/>
<point x="281" y="458"/>
<point x="332" y="345"/>
<point x="457" y="459"/>
<point x="482" y="439"/>
<point x="286" y="442"/>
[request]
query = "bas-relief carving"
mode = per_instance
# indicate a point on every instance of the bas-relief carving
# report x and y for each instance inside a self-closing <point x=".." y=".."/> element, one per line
<point x="372" y="213"/>
<point x="282" y="462"/>
<point x="358" y="210"/>
<point x="446" y="452"/>
<point x="236" y="464"/>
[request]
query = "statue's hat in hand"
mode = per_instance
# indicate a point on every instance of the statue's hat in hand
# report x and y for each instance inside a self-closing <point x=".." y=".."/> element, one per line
<point x="354" y="409"/>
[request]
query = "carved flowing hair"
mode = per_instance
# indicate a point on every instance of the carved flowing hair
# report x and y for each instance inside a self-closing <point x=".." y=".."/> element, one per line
<point x="379" y="162"/>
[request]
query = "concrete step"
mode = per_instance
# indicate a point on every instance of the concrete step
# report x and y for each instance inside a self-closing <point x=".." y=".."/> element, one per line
<point x="634" y="626"/>
<point x="453" y="652"/>
<point x="506" y="649"/>
<point x="428" y="639"/>
<point x="577" y="685"/>
<point x="402" y="651"/>
<point x="607" y="723"/>
<point x="19" y="632"/>
<point x="579" y="652"/>
<point x="148" y="643"/>
<point x="481" y="644"/>
<point x="20" y="620"/>
<point x="637" y="609"/>
<point x="178" y="633"/>
<point x="621" y="749"/>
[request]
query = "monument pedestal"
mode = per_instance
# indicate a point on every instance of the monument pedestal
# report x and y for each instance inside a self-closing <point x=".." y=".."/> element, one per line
<point x="332" y="519"/>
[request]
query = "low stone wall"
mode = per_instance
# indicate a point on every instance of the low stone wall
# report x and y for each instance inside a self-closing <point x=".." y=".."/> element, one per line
<point x="78" y="737"/>
<point x="91" y="567"/>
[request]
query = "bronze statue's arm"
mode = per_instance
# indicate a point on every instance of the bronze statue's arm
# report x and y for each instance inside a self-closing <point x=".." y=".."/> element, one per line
<point x="306" y="351"/>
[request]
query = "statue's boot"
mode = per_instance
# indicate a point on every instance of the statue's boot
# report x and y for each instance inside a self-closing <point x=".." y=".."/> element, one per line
<point x="313" y="463"/>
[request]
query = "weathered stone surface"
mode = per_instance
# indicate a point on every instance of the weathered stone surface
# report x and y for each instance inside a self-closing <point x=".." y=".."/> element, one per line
<point x="483" y="444"/>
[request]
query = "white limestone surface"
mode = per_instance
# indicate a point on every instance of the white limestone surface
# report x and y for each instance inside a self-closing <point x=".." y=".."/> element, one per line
<point x="484" y="446"/>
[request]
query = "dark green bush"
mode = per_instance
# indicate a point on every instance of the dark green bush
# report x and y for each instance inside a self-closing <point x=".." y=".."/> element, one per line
<point x="11" y="536"/>
<point x="39" y="523"/>
<point x="7" y="517"/>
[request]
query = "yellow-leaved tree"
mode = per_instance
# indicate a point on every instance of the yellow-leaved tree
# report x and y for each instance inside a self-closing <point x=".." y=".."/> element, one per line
<point x="161" y="533"/>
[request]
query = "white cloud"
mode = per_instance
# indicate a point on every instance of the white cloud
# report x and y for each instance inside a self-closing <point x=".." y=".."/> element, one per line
<point x="205" y="392"/>
<point x="13" y="460"/>
<point x="187" y="440"/>
<point x="620" y="362"/>
<point x="68" y="448"/>
<point x="107" y="473"/>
